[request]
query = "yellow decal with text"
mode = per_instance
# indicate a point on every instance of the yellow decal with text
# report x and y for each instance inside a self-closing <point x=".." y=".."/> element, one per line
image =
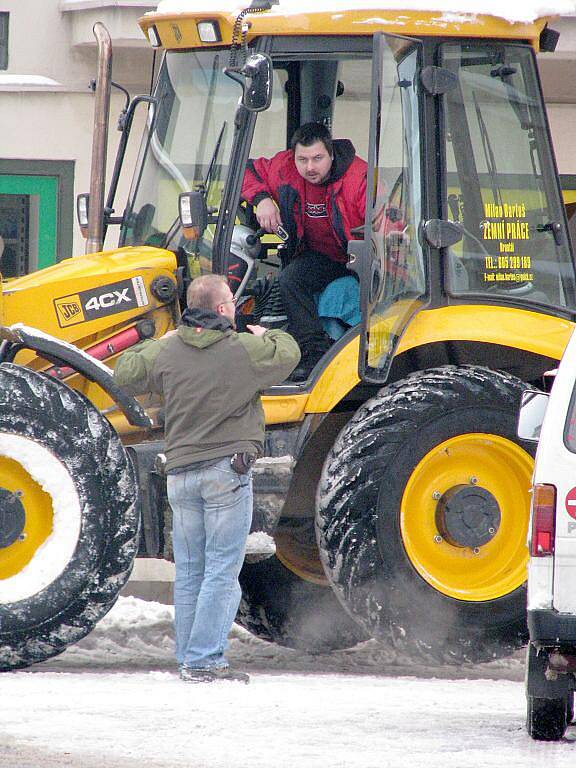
<point x="69" y="310"/>
<point x="506" y="223"/>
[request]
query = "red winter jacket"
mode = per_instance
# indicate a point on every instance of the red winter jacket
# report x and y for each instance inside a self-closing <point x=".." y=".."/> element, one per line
<point x="279" y="179"/>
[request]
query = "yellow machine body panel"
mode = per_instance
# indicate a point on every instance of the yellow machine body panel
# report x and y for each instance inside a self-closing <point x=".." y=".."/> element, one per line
<point x="179" y="31"/>
<point x="534" y="333"/>
<point x="58" y="299"/>
<point x="89" y="299"/>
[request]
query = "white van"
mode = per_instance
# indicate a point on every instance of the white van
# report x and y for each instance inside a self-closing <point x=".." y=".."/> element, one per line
<point x="551" y="663"/>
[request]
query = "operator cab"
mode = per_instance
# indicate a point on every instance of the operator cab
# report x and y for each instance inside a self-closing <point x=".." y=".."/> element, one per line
<point x="322" y="89"/>
<point x="457" y="145"/>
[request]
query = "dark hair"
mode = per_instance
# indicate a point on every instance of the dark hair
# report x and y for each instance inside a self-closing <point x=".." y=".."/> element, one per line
<point x="310" y="133"/>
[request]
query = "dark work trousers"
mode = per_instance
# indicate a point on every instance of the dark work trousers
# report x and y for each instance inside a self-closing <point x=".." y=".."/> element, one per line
<point x="308" y="274"/>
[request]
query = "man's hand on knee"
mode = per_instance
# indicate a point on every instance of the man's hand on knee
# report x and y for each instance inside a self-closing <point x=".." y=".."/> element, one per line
<point x="268" y="215"/>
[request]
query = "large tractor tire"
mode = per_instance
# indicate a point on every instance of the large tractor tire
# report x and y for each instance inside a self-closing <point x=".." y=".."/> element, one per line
<point x="68" y="523"/>
<point x="279" y="606"/>
<point x="422" y="515"/>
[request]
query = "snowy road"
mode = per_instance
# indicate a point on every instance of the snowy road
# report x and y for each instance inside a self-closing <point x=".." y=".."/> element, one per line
<point x="115" y="702"/>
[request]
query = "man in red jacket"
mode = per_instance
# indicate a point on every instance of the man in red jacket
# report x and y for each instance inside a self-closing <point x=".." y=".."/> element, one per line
<point x="315" y="191"/>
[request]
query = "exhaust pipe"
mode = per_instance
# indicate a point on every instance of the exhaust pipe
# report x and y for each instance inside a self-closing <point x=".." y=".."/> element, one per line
<point x="95" y="239"/>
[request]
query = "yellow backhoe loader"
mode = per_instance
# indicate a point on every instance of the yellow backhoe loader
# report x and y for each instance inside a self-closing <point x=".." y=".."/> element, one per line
<point x="393" y="480"/>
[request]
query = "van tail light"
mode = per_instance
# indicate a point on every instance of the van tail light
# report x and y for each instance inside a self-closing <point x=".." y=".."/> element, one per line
<point x="543" y="521"/>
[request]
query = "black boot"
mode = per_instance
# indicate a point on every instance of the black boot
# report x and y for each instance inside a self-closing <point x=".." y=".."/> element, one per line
<point x="313" y="350"/>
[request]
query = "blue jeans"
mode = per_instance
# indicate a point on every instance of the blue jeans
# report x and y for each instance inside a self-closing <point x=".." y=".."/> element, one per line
<point x="212" y="511"/>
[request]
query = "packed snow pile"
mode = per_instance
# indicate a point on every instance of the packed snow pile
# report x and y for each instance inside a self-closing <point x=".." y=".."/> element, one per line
<point x="139" y="635"/>
<point x="514" y="11"/>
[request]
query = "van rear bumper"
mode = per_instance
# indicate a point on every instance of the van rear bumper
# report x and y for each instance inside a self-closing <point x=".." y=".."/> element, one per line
<point x="550" y="628"/>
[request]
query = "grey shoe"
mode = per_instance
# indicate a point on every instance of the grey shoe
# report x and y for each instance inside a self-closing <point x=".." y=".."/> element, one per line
<point x="211" y="675"/>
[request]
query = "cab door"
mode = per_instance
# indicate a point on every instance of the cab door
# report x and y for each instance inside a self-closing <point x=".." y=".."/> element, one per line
<point x="390" y="261"/>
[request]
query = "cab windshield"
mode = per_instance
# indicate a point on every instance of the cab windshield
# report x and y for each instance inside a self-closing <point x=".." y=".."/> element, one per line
<point x="186" y="147"/>
<point x="501" y="181"/>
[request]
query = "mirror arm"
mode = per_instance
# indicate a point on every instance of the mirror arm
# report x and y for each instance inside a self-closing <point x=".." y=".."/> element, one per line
<point x="234" y="74"/>
<point x="123" y="90"/>
<point x="109" y="219"/>
<point x="126" y="127"/>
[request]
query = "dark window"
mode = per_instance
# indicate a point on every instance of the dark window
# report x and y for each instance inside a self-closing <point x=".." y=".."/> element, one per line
<point x="4" y="40"/>
<point x="14" y="231"/>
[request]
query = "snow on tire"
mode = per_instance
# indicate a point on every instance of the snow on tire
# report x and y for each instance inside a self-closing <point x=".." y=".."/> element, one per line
<point x="401" y="562"/>
<point x="68" y="523"/>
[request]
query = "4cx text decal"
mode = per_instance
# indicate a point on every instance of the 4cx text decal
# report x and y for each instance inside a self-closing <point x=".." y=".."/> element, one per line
<point x="99" y="302"/>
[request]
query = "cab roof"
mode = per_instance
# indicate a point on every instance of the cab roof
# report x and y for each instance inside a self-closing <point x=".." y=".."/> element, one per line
<point x="176" y="20"/>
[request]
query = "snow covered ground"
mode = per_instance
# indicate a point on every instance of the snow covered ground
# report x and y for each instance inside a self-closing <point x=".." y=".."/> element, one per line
<point x="115" y="701"/>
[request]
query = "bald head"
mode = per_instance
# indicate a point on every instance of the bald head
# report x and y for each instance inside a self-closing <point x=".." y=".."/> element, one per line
<point x="207" y="292"/>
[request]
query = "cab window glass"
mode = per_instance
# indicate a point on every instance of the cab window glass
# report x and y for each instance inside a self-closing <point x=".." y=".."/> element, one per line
<point x="501" y="181"/>
<point x="570" y="425"/>
<point x="186" y="147"/>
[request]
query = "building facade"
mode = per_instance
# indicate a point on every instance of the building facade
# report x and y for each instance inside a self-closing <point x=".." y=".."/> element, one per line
<point x="47" y="61"/>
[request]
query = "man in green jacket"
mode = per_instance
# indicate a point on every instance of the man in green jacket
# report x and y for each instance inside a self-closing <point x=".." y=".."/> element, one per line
<point x="211" y="378"/>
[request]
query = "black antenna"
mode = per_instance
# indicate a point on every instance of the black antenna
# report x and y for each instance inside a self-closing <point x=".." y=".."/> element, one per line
<point x="240" y="30"/>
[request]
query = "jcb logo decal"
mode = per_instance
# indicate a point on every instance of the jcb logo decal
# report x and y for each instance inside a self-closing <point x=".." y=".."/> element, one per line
<point x="69" y="311"/>
<point x="99" y="302"/>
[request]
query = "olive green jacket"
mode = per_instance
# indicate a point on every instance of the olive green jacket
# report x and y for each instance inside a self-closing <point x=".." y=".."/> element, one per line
<point x="211" y="381"/>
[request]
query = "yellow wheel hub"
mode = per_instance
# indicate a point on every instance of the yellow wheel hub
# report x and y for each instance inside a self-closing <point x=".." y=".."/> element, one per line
<point x="22" y="499"/>
<point x="478" y="554"/>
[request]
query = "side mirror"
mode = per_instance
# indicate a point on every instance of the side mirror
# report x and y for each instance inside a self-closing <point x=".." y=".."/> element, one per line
<point x="193" y="214"/>
<point x="258" y="90"/>
<point x="532" y="411"/>
<point x="255" y="77"/>
<point x="82" y="207"/>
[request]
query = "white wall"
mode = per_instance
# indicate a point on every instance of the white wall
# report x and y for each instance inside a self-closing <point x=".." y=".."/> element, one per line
<point x="48" y="126"/>
<point x="562" y="119"/>
<point x="48" y="40"/>
<point x="55" y="122"/>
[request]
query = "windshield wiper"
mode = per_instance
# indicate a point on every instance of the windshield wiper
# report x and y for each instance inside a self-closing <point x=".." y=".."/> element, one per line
<point x="488" y="153"/>
<point x="205" y="185"/>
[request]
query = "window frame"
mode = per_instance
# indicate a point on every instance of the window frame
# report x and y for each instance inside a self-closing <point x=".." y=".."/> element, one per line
<point x="4" y="39"/>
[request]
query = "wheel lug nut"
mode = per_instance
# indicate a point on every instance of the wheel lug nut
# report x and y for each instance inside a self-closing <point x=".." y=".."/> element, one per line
<point x="436" y="495"/>
<point x="476" y="551"/>
<point x="438" y="539"/>
<point x="473" y="480"/>
<point x="22" y="537"/>
<point x="491" y="530"/>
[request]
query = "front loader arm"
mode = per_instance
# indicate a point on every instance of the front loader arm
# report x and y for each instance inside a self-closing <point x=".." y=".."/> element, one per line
<point x="17" y="337"/>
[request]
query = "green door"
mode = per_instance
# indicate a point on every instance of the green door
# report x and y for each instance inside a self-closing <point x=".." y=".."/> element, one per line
<point x="28" y="222"/>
